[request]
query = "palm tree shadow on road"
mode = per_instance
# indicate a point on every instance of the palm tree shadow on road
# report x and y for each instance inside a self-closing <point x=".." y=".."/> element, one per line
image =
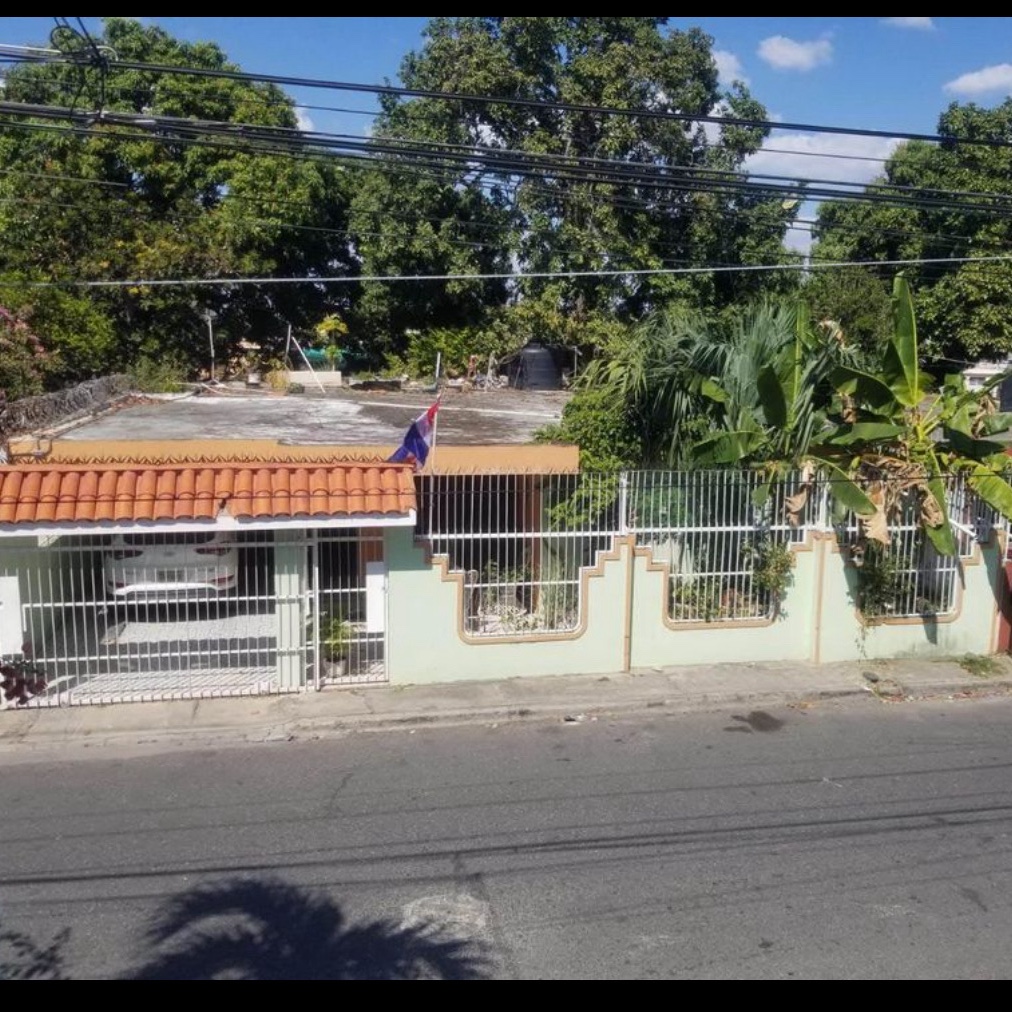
<point x="22" y="958"/>
<point x="267" y="929"/>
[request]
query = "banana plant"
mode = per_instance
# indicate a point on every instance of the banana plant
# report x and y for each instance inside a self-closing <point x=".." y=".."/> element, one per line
<point x="778" y="432"/>
<point x="896" y="432"/>
<point x="875" y="434"/>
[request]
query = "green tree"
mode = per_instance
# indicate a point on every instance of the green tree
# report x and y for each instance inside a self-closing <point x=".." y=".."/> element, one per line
<point x="854" y="299"/>
<point x="901" y="434"/>
<point x="116" y="205"/>
<point x="78" y="337"/>
<point x="592" y="211"/>
<point x="604" y="429"/>
<point x="965" y="309"/>
<point x="692" y="383"/>
<point x="408" y="224"/>
<point x="887" y="433"/>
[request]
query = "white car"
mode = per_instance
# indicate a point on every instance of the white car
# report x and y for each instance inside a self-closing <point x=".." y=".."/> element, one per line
<point x="167" y="566"/>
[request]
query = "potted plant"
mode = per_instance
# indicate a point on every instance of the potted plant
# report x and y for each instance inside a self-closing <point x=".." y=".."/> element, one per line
<point x="335" y="640"/>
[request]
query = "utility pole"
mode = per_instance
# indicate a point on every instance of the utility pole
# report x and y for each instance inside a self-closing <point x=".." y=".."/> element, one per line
<point x="210" y="316"/>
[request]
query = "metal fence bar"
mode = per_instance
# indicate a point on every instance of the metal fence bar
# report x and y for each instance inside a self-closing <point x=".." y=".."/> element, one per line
<point x="103" y="623"/>
<point x="723" y="548"/>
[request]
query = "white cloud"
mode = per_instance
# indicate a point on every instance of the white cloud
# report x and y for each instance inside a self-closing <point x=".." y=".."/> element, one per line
<point x="729" y="67"/>
<point x="918" y="24"/>
<point x="789" y="54"/>
<point x="995" y="78"/>
<point x="799" y="238"/>
<point x="304" y="121"/>
<point x="816" y="156"/>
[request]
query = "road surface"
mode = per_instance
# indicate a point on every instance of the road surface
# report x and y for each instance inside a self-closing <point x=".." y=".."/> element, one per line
<point x="858" y="840"/>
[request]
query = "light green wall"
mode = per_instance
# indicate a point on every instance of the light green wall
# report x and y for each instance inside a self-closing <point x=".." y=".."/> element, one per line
<point x="787" y="637"/>
<point x="424" y="645"/>
<point x="972" y="631"/>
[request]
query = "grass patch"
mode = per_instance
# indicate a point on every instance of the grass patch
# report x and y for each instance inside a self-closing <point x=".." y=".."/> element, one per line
<point x="979" y="665"/>
<point x="158" y="375"/>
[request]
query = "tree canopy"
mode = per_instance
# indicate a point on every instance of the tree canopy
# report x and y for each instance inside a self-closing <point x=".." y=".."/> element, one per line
<point x="575" y="164"/>
<point x="558" y="184"/>
<point x="120" y="205"/>
<point x="963" y="307"/>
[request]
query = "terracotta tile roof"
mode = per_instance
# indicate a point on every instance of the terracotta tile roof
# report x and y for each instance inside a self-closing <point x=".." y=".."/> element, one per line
<point x="55" y="493"/>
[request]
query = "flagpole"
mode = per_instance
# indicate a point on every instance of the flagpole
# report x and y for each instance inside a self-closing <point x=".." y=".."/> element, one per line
<point x="435" y="421"/>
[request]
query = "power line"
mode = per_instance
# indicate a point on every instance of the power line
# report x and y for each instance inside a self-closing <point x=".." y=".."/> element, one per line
<point x="446" y="173"/>
<point x="490" y="244"/>
<point x="576" y="169"/>
<point x="291" y="102"/>
<point x="498" y="275"/>
<point x="494" y="161"/>
<point x="513" y="101"/>
<point x="614" y="201"/>
<point x="62" y="178"/>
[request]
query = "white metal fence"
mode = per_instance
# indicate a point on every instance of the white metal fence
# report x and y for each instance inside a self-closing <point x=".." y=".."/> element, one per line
<point x="724" y="543"/>
<point x="349" y="602"/>
<point x="520" y="543"/>
<point x="160" y="615"/>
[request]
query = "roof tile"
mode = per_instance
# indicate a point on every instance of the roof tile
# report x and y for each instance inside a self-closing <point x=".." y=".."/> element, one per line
<point x="85" y="493"/>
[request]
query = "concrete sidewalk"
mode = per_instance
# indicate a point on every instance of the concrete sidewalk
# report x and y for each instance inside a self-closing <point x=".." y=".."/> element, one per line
<point x="26" y="734"/>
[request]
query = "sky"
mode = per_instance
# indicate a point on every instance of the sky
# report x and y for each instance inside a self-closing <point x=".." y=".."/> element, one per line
<point x="893" y="74"/>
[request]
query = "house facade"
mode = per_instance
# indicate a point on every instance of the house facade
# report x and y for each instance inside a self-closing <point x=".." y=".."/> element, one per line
<point x="339" y="569"/>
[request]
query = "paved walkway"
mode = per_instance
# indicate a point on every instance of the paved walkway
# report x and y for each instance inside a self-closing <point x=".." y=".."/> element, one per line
<point x="94" y="730"/>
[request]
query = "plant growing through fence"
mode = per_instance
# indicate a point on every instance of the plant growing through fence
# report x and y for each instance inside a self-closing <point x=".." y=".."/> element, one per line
<point x="755" y="590"/>
<point x="879" y="582"/>
<point x="772" y="568"/>
<point x="884" y="434"/>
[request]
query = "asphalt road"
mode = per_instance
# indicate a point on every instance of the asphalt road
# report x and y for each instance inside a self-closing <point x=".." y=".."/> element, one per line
<point x="858" y="840"/>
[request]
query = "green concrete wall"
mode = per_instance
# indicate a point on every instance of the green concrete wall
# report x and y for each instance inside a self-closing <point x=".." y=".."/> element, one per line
<point x="814" y="624"/>
<point x="971" y="629"/>
<point x="424" y="644"/>
<point x="789" y="636"/>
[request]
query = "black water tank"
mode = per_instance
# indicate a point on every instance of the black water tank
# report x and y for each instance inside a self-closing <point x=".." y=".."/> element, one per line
<point x="537" y="369"/>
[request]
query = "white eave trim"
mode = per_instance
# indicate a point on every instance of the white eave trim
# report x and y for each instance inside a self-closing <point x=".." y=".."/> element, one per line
<point x="221" y="523"/>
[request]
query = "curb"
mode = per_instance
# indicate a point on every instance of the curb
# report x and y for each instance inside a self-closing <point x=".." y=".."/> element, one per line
<point x="31" y="741"/>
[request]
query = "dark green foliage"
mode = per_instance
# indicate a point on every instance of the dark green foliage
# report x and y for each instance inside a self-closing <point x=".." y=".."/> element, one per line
<point x="601" y="426"/>
<point x="109" y="207"/>
<point x="963" y="308"/>
<point x="580" y="216"/>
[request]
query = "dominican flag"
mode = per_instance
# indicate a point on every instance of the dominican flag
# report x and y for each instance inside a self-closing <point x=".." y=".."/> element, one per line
<point x="418" y="439"/>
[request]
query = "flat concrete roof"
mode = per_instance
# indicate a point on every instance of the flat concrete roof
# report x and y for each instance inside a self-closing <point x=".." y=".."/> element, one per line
<point x="342" y="418"/>
<point x="479" y="432"/>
